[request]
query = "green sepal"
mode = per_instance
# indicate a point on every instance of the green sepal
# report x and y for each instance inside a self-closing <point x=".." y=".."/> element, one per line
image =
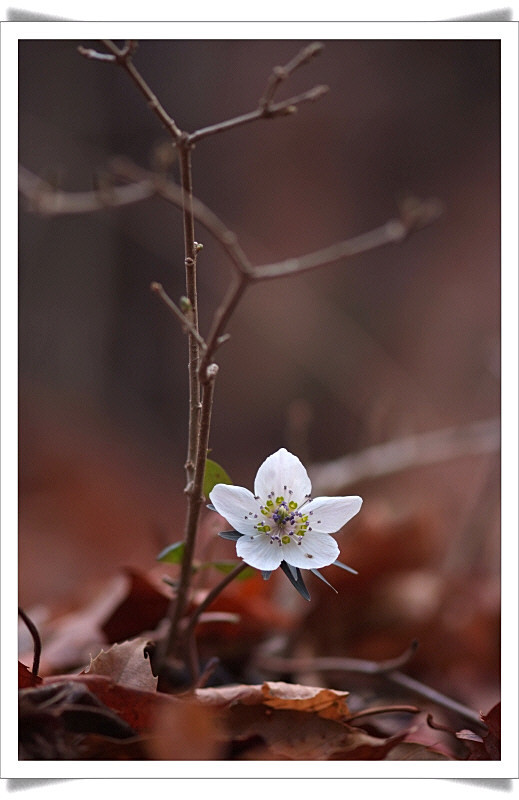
<point x="297" y="582"/>
<point x="316" y="572"/>
<point x="173" y="554"/>
<point x="214" y="474"/>
<point x="345" y="566"/>
<point x="233" y="536"/>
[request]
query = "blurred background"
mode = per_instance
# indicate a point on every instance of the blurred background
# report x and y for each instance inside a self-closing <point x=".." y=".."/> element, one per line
<point x="400" y="341"/>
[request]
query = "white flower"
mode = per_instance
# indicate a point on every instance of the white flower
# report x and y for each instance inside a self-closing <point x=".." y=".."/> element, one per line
<point x="280" y="521"/>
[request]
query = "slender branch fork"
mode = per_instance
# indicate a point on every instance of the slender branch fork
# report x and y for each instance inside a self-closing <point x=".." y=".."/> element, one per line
<point x="388" y="670"/>
<point x="202" y="369"/>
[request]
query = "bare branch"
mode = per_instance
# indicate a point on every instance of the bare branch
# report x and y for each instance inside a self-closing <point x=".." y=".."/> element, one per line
<point x="44" y="198"/>
<point x="95" y="56"/>
<point x="33" y="630"/>
<point x="184" y="320"/>
<point x="280" y="74"/>
<point x="282" y="109"/>
<point x="124" y="59"/>
<point x="340" y="664"/>
<point x="374" y="710"/>
<point x="386" y="669"/>
<point x="171" y="192"/>
<point x="212" y="595"/>
<point x="411" y="451"/>
<point x="222" y="317"/>
<point x="392" y="232"/>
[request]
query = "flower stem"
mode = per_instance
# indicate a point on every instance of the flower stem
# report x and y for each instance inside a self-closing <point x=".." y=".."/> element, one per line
<point x="213" y="594"/>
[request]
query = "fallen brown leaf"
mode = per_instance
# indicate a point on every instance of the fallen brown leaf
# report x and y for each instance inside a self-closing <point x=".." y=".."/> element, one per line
<point x="186" y="731"/>
<point x="409" y="751"/>
<point x="125" y="664"/>
<point x="327" y="703"/>
<point x="25" y="677"/>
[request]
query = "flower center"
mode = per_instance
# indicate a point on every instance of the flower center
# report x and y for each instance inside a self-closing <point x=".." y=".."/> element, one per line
<point x="284" y="520"/>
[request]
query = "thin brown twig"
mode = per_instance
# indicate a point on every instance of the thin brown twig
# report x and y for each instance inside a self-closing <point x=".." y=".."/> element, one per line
<point x="280" y="74"/>
<point x="479" y="437"/>
<point x="369" y="712"/>
<point x="124" y="59"/>
<point x="188" y="635"/>
<point x="386" y="669"/>
<point x="184" y="320"/>
<point x="339" y="663"/>
<point x="282" y="109"/>
<point x="394" y="231"/>
<point x="190" y="259"/>
<point x="266" y="109"/>
<point x="44" y="198"/>
<point x="33" y="630"/>
<point x="172" y="193"/>
<point x="222" y="316"/>
<point x="212" y="595"/>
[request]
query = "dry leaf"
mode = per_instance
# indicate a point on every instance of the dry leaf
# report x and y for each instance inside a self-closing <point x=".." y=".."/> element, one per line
<point x="328" y="703"/>
<point x="25" y="677"/>
<point x="185" y="731"/>
<point x="125" y="664"/>
<point x="409" y="751"/>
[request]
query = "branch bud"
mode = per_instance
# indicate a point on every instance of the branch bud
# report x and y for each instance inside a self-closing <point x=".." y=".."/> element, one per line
<point x="185" y="305"/>
<point x="211" y="372"/>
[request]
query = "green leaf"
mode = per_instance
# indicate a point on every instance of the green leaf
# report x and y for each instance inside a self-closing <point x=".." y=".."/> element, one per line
<point x="228" y="566"/>
<point x="172" y="554"/>
<point x="214" y="474"/>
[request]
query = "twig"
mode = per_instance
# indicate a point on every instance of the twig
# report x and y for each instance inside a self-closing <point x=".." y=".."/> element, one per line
<point x="284" y="108"/>
<point x="212" y="595"/>
<point x="385" y="669"/>
<point x="266" y="110"/>
<point x="124" y="59"/>
<point x="222" y="316"/>
<point x="188" y="635"/>
<point x="434" y="696"/>
<point x="394" y="231"/>
<point x="280" y="74"/>
<point x="33" y="630"/>
<point x="172" y="193"/>
<point x="184" y="320"/>
<point x="190" y="256"/>
<point x="369" y="712"/>
<point x="327" y="663"/>
<point x="44" y="198"/>
<point x="411" y="451"/>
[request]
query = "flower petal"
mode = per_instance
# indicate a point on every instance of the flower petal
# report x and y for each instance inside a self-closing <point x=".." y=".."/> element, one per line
<point x="237" y="505"/>
<point x="329" y="514"/>
<point x="259" y="552"/>
<point x="316" y="550"/>
<point x="280" y="472"/>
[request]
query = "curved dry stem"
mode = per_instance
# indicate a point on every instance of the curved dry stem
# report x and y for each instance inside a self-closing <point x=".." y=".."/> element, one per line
<point x="384" y="669"/>
<point x="36" y="638"/>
